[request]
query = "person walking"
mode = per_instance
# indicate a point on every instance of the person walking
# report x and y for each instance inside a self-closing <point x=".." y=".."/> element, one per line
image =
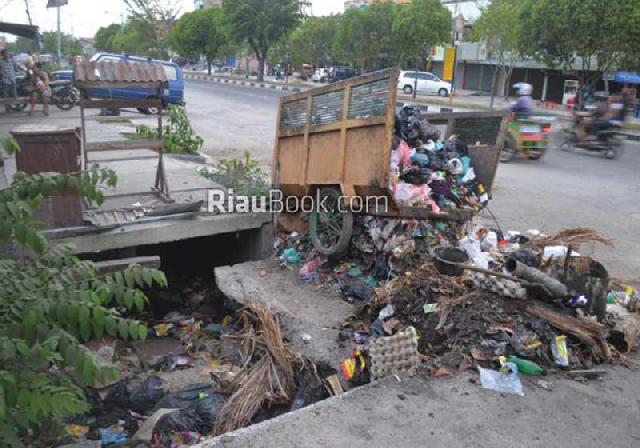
<point x="41" y="91"/>
<point x="7" y="77"/>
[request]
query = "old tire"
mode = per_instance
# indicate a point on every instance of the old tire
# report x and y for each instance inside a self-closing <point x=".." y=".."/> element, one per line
<point x="443" y="92"/>
<point x="329" y="228"/>
<point x="408" y="90"/>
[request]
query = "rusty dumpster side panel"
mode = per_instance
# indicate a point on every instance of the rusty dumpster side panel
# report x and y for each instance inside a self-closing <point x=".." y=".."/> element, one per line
<point x="339" y="134"/>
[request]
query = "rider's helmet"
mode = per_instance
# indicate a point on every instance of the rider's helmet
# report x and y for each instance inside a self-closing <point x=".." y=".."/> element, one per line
<point x="523" y="89"/>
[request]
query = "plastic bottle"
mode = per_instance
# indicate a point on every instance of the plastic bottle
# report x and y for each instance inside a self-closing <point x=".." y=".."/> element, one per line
<point x="526" y="367"/>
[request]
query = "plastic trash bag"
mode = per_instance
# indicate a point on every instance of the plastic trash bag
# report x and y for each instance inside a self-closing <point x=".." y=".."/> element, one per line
<point x="198" y="416"/>
<point x="184" y="398"/>
<point x="150" y="392"/>
<point x="109" y="437"/>
<point x="508" y="383"/>
<point x="357" y="291"/>
<point x="117" y="396"/>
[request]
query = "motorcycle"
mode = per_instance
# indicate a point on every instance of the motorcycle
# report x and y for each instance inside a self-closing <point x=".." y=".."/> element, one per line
<point x="526" y="138"/>
<point x="607" y="142"/>
<point x="64" y="95"/>
<point x="23" y="89"/>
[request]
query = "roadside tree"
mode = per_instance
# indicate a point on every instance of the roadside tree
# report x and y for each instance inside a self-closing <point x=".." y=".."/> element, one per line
<point x="154" y="19"/>
<point x="499" y="28"/>
<point x="365" y="38"/>
<point x="105" y="37"/>
<point x="69" y="44"/>
<point x="312" y="42"/>
<point x="262" y="24"/>
<point x="201" y="32"/>
<point x="586" y="37"/>
<point x="420" y="25"/>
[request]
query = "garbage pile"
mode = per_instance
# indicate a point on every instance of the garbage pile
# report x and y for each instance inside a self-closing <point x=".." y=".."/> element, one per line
<point x="508" y="304"/>
<point x="429" y="172"/>
<point x="202" y="370"/>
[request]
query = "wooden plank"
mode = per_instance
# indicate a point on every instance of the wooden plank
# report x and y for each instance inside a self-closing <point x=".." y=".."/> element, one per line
<point x="325" y="163"/>
<point x="590" y="333"/>
<point x="120" y="104"/>
<point x="339" y="125"/>
<point x="390" y="122"/>
<point x="126" y="144"/>
<point x="109" y="266"/>
<point x="306" y="146"/>
<point x="19" y="100"/>
<point x="444" y="117"/>
<point x="342" y="155"/>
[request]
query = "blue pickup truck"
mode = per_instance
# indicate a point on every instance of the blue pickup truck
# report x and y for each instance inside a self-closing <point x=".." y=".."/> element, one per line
<point x="172" y="95"/>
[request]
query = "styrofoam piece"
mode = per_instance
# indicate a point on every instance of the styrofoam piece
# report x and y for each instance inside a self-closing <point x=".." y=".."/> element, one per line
<point x="394" y="354"/>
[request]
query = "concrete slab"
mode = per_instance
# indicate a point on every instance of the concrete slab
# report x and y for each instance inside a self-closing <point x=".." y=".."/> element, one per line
<point x="168" y="229"/>
<point x="302" y="308"/>
<point x="455" y="413"/>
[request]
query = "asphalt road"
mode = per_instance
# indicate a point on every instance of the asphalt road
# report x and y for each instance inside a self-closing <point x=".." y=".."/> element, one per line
<point x="560" y="191"/>
<point x="233" y="120"/>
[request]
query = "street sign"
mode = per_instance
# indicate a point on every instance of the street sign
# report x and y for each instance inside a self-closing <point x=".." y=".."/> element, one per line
<point x="449" y="64"/>
<point x="57" y="3"/>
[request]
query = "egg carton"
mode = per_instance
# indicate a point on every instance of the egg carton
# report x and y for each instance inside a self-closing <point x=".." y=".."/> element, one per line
<point x="502" y="287"/>
<point x="394" y="354"/>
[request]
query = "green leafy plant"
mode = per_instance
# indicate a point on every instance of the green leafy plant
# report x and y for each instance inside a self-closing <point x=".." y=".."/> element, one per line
<point x="178" y="135"/>
<point x="246" y="177"/>
<point x="50" y="303"/>
<point x="144" y="131"/>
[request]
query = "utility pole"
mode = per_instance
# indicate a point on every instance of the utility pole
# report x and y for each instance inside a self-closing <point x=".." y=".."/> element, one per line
<point x="58" y="4"/>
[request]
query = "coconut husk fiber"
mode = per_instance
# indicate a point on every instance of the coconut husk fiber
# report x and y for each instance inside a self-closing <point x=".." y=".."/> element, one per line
<point x="571" y="237"/>
<point x="268" y="372"/>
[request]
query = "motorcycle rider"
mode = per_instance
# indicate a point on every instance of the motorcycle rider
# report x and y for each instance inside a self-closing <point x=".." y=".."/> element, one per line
<point x="524" y="105"/>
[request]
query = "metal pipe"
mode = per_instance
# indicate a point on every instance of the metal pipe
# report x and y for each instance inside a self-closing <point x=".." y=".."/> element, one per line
<point x="532" y="275"/>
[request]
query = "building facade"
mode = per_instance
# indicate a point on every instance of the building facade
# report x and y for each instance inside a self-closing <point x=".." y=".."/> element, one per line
<point x="201" y="4"/>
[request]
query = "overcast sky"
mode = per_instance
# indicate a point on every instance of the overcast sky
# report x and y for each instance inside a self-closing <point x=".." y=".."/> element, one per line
<point x="84" y="17"/>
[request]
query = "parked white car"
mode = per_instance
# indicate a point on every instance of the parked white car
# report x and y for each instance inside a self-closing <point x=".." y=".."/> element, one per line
<point x="427" y="83"/>
<point x="321" y="75"/>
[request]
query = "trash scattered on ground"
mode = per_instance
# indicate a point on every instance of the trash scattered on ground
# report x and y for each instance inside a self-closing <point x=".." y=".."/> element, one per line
<point x="476" y="296"/>
<point x="506" y="381"/>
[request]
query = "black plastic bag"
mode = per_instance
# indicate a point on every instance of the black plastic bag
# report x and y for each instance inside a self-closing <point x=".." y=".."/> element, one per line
<point x="311" y="390"/>
<point x="117" y="396"/>
<point x="150" y="392"/>
<point x="357" y="291"/>
<point x="198" y="416"/>
<point x="183" y="420"/>
<point x="185" y="398"/>
<point x="527" y="257"/>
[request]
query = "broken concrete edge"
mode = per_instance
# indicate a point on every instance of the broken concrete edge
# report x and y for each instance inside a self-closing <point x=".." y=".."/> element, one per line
<point x="169" y="230"/>
<point x="304" y="413"/>
<point x="264" y="85"/>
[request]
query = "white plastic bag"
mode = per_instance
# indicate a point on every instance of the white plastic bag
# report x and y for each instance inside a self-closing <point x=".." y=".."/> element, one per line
<point x="508" y="383"/>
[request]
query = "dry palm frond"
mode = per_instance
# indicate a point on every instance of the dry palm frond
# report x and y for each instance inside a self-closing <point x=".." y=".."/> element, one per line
<point x="268" y="375"/>
<point x="571" y="237"/>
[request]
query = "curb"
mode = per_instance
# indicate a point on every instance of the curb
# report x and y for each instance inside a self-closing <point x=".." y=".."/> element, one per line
<point x="201" y="159"/>
<point x="254" y="84"/>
